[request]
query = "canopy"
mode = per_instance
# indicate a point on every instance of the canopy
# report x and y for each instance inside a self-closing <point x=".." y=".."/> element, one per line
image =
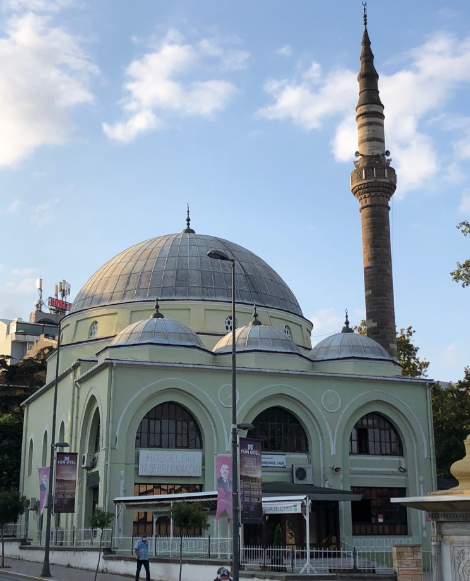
<point x="313" y="492"/>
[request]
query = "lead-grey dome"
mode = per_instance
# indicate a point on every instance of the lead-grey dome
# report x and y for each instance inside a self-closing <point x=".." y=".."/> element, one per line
<point x="257" y="338"/>
<point x="158" y="332"/>
<point x="177" y="267"/>
<point x="347" y="346"/>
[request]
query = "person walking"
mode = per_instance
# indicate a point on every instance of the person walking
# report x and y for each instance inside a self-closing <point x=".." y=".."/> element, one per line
<point x="141" y="549"/>
<point x="223" y="574"/>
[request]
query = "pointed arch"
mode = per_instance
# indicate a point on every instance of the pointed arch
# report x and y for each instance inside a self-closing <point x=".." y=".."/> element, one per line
<point x="44" y="450"/>
<point x="279" y="431"/>
<point x="30" y="456"/>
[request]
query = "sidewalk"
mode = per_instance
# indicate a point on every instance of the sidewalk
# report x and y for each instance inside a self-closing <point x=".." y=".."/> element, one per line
<point x="59" y="573"/>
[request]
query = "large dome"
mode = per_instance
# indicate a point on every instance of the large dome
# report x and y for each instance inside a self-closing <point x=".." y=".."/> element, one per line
<point x="176" y="267"/>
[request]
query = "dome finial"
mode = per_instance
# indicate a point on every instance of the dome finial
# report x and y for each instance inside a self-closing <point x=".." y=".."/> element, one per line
<point x="255" y="321"/>
<point x="364" y="5"/>
<point x="157" y="314"/>
<point x="346" y="328"/>
<point x="188" y="229"/>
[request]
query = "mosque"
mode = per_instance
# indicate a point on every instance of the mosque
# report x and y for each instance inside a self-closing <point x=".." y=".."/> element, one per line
<point x="144" y="366"/>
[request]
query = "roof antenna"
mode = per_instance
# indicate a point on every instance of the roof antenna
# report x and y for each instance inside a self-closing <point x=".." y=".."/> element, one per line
<point x="346" y="328"/>
<point x="188" y="229"/>
<point x="157" y="314"/>
<point x="364" y="4"/>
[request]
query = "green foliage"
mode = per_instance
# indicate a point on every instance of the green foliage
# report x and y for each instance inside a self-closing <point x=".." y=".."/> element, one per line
<point x="278" y="536"/>
<point x="462" y="272"/>
<point x="188" y="515"/>
<point x="30" y="372"/>
<point x="451" y="413"/>
<point x="11" y="434"/>
<point x="100" y="519"/>
<point x="412" y="365"/>
<point x="12" y="506"/>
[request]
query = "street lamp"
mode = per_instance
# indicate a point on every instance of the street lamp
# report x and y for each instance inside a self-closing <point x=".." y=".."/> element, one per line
<point x="46" y="570"/>
<point x="219" y="255"/>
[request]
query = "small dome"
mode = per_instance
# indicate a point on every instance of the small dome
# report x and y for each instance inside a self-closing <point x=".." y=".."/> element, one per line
<point x="257" y="338"/>
<point x="347" y="345"/>
<point x="157" y="331"/>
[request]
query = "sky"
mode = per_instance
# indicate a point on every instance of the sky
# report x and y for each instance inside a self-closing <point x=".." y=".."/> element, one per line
<point x="116" y="114"/>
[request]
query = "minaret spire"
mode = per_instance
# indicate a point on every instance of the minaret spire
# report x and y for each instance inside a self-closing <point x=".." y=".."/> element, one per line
<point x="364" y="7"/>
<point x="373" y="183"/>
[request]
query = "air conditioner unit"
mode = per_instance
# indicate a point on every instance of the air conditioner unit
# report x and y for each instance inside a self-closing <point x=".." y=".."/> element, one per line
<point x="302" y="474"/>
<point x="33" y="504"/>
<point x="87" y="461"/>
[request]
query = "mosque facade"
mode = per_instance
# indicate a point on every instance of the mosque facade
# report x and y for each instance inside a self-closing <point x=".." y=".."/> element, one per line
<point x="145" y="366"/>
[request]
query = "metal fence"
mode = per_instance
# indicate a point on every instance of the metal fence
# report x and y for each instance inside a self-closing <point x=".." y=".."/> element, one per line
<point x="72" y="537"/>
<point x="196" y="547"/>
<point x="15" y="530"/>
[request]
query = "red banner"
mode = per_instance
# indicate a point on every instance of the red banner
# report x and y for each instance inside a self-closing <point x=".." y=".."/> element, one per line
<point x="59" y="304"/>
<point x="224" y="486"/>
<point x="65" y="482"/>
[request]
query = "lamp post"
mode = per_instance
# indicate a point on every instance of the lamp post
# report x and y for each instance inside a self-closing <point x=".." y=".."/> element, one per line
<point x="46" y="570"/>
<point x="219" y="255"/>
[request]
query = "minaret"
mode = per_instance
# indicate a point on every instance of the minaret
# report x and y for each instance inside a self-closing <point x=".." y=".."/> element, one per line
<point x="373" y="183"/>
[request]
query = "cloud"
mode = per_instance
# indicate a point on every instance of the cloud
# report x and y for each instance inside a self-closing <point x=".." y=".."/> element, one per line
<point x="432" y="74"/>
<point x="14" y="206"/>
<point x="167" y="82"/>
<point x="44" y="74"/>
<point x="285" y="50"/>
<point x="23" y="271"/>
<point x="453" y="355"/>
<point x="13" y="295"/>
<point x="326" y="322"/>
<point x="43" y="213"/>
<point x="36" y="5"/>
<point x="465" y="203"/>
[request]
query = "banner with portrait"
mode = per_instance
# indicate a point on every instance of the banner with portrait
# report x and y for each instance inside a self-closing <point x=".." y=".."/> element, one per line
<point x="43" y="474"/>
<point x="65" y="482"/>
<point x="251" y="493"/>
<point x="223" y="469"/>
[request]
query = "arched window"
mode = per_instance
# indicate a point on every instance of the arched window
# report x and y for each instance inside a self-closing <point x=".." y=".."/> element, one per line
<point x="61" y="432"/>
<point x="228" y="324"/>
<point x="279" y="431"/>
<point x="30" y="457"/>
<point x="44" y="450"/>
<point x="93" y="331"/>
<point x="168" y="425"/>
<point x="374" y="434"/>
<point x="94" y="445"/>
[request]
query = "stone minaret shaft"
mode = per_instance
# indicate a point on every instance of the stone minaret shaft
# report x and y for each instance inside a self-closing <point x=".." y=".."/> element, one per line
<point x="373" y="183"/>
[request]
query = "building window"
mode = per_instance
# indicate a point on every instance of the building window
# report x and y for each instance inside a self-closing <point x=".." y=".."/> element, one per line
<point x="279" y="431"/>
<point x="376" y="515"/>
<point x="168" y="425"/>
<point x="228" y="324"/>
<point x="287" y="332"/>
<point x="97" y="437"/>
<point x="143" y="520"/>
<point x="92" y="333"/>
<point x="95" y="498"/>
<point x="30" y="457"/>
<point x="373" y="434"/>
<point x="44" y="450"/>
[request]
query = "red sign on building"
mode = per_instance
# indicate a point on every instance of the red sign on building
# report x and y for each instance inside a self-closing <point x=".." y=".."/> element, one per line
<point x="59" y="304"/>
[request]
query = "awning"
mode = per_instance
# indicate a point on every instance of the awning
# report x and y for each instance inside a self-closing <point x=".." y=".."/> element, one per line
<point x="437" y="503"/>
<point x="315" y="493"/>
<point x="158" y="502"/>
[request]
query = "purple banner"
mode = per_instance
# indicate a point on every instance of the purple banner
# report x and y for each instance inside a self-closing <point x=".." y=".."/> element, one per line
<point x="224" y="486"/>
<point x="65" y="482"/>
<point x="251" y="493"/>
<point x="43" y="488"/>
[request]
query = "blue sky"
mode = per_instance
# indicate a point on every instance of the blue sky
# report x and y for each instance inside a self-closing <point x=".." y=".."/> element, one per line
<point x="114" y="115"/>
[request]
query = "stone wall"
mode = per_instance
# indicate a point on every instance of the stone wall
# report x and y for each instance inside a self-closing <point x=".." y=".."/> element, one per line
<point x="408" y="562"/>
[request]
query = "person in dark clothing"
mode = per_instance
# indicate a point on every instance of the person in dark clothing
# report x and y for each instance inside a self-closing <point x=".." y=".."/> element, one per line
<point x="223" y="574"/>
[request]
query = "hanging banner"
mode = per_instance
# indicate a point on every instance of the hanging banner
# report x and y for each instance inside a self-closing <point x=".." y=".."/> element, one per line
<point x="65" y="482"/>
<point x="223" y="465"/>
<point x="251" y="494"/>
<point x="43" y="488"/>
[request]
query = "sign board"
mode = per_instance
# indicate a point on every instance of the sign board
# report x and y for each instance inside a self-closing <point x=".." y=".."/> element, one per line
<point x="251" y="494"/>
<point x="59" y="304"/>
<point x="273" y="460"/>
<point x="223" y="468"/>
<point x="380" y="518"/>
<point x="65" y="482"/>
<point x="158" y="463"/>
<point x="282" y="507"/>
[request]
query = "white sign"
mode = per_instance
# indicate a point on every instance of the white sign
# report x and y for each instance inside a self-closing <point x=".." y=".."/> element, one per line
<point x="273" y="460"/>
<point x="282" y="507"/>
<point x="158" y="463"/>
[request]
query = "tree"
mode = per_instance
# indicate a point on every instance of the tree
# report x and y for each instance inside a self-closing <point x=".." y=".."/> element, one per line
<point x="12" y="506"/>
<point x="451" y="414"/>
<point x="462" y="272"/>
<point x="17" y="383"/>
<point x="100" y="519"/>
<point x="412" y="365"/>
<point x="188" y="515"/>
